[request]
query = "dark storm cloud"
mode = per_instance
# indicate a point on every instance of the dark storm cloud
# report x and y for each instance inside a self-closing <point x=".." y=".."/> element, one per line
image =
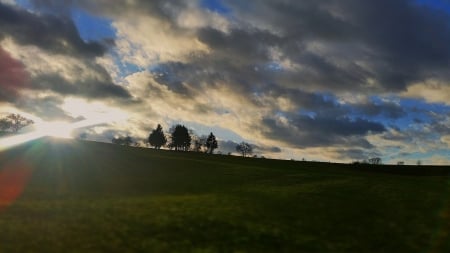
<point x="227" y="146"/>
<point x="260" y="149"/>
<point x="85" y="88"/>
<point x="400" y="41"/>
<point x="388" y="110"/>
<point x="305" y="131"/>
<point x="355" y="154"/>
<point x="172" y="75"/>
<point x="56" y="34"/>
<point x="13" y="77"/>
<point x="238" y="45"/>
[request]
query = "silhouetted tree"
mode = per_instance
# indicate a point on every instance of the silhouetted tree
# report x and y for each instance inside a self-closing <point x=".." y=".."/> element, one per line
<point x="211" y="143"/>
<point x="126" y="141"/>
<point x="157" y="138"/>
<point x="14" y="122"/>
<point x="244" y="148"/>
<point x="181" y="139"/>
<point x="375" y="161"/>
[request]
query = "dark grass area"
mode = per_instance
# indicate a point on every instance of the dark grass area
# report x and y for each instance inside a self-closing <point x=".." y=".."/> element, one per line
<point x="96" y="197"/>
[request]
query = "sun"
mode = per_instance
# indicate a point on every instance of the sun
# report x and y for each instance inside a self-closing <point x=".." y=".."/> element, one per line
<point x="55" y="129"/>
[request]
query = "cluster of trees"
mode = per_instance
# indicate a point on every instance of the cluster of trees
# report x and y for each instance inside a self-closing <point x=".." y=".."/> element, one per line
<point x="374" y="161"/>
<point x="181" y="139"/>
<point x="12" y="123"/>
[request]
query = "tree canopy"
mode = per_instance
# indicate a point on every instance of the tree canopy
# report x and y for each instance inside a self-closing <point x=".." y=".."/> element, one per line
<point x="157" y="139"/>
<point x="180" y="138"/>
<point x="211" y="143"/>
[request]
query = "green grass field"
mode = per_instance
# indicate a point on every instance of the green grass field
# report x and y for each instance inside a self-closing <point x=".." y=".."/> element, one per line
<point x="94" y="197"/>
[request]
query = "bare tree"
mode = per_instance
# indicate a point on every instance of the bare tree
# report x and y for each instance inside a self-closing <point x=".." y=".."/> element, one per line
<point x="14" y="122"/>
<point x="244" y="148"/>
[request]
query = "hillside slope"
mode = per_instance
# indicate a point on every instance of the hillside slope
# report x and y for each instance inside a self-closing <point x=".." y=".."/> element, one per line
<point x="73" y="196"/>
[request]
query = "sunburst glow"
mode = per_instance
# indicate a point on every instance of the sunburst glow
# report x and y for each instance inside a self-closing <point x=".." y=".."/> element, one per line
<point x="56" y="129"/>
<point x="62" y="129"/>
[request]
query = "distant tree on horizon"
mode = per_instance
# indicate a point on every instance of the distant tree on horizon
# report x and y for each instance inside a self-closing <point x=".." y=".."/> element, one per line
<point x="13" y="123"/>
<point x="180" y="138"/>
<point x="244" y="148"/>
<point x="157" y="138"/>
<point x="375" y="161"/>
<point x="211" y="143"/>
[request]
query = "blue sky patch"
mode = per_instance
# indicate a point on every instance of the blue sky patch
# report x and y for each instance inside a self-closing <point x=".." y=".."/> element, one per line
<point x="443" y="5"/>
<point x="92" y="28"/>
<point x="215" y="6"/>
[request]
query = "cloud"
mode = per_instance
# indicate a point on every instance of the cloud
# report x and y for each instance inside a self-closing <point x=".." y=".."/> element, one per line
<point x="85" y="88"/>
<point x="304" y="131"/>
<point x="432" y="90"/>
<point x="45" y="107"/>
<point x="55" y="34"/>
<point x="227" y="146"/>
<point x="65" y="75"/>
<point x="409" y="43"/>
<point x="371" y="108"/>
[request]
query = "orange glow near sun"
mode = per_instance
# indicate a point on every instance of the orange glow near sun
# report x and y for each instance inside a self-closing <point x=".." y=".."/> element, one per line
<point x="13" y="179"/>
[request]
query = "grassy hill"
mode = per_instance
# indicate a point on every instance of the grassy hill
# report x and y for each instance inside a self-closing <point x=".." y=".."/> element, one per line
<point x="73" y="196"/>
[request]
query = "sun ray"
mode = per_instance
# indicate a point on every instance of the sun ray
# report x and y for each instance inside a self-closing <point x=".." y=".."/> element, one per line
<point x="55" y="129"/>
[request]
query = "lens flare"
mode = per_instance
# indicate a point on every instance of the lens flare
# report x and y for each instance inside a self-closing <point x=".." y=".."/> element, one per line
<point x="13" y="179"/>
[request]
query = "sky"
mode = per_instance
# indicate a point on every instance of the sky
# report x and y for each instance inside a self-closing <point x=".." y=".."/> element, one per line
<point x="327" y="80"/>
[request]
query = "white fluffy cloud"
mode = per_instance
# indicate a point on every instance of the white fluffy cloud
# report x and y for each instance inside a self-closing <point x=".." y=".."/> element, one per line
<point x="144" y="41"/>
